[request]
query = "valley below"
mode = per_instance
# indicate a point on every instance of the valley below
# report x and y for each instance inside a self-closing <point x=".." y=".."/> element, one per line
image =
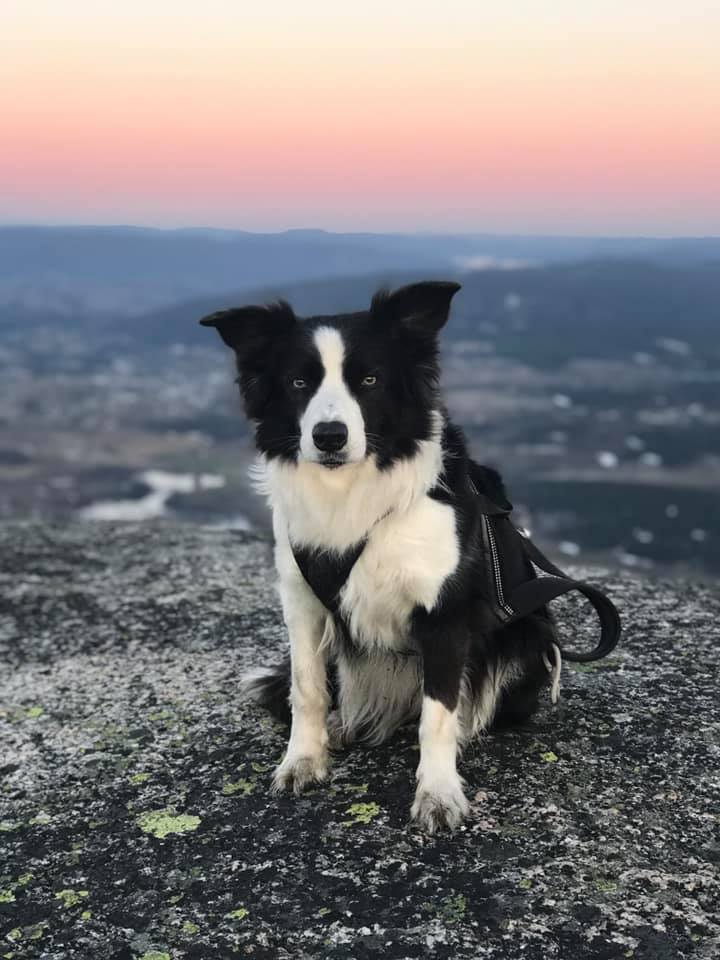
<point x="595" y="388"/>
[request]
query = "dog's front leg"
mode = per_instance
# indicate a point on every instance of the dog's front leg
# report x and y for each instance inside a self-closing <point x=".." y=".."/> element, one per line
<point x="439" y="798"/>
<point x="306" y="758"/>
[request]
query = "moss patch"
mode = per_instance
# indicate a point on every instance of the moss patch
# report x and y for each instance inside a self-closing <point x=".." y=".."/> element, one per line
<point x="161" y="823"/>
<point x="70" y="898"/>
<point x="243" y="787"/>
<point x="361" y="813"/>
<point x="138" y="778"/>
<point x="238" y="914"/>
<point x="603" y="885"/>
<point x="260" y="767"/>
<point x="40" y="819"/>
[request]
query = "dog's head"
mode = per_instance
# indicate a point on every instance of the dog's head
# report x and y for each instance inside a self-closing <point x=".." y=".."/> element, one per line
<point x="333" y="390"/>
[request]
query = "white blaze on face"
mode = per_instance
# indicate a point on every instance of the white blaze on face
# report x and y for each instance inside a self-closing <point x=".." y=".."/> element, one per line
<point x="332" y="401"/>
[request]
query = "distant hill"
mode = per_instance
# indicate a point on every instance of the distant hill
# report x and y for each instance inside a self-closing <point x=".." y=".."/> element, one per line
<point x="121" y="269"/>
<point x="606" y="310"/>
<point x="542" y="316"/>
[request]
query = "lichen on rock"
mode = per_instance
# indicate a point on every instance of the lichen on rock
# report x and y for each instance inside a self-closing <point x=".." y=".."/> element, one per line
<point x="136" y="821"/>
<point x="161" y="823"/>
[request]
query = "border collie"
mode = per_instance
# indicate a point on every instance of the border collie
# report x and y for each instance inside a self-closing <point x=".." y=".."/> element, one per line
<point x="378" y="543"/>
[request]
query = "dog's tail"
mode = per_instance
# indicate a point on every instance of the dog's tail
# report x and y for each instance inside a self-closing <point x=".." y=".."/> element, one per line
<point x="270" y="687"/>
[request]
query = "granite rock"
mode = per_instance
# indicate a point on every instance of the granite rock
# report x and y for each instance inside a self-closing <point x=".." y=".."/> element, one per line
<point x="135" y="816"/>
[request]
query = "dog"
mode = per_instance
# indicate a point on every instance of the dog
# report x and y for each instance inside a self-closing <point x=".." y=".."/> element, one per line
<point x="377" y="543"/>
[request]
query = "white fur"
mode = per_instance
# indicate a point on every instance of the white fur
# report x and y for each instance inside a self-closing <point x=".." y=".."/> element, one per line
<point x="332" y="401"/>
<point x="306" y="758"/>
<point x="478" y="711"/>
<point x="334" y="509"/>
<point x="554" y="669"/>
<point x="411" y="549"/>
<point x="406" y="560"/>
<point x="379" y="693"/>
<point x="439" y="798"/>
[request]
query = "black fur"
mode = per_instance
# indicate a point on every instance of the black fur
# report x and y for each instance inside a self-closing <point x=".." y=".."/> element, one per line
<point x="395" y="342"/>
<point x="464" y="605"/>
<point x="459" y="636"/>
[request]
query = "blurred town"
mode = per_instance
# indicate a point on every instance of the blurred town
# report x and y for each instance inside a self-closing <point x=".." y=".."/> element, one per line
<point x="588" y="371"/>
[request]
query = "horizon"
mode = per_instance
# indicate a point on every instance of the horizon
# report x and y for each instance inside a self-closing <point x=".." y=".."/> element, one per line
<point x="591" y="120"/>
<point x="280" y="231"/>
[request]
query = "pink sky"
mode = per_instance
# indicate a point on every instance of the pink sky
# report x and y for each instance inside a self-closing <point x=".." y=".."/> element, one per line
<point x="602" y="117"/>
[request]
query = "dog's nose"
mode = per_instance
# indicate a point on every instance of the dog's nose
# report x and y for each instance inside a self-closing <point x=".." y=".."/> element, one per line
<point x="330" y="435"/>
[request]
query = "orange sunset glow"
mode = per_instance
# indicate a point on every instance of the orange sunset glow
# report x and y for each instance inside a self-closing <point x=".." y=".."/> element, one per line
<point x="601" y="117"/>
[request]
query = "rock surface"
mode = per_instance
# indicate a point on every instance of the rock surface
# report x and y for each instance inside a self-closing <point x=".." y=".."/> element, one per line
<point x="135" y="819"/>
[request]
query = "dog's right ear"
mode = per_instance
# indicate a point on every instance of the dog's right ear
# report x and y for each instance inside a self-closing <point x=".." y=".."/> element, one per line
<point x="244" y="328"/>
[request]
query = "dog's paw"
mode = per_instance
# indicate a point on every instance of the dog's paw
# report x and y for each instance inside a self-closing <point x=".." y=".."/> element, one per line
<point x="440" y="805"/>
<point x="297" y="772"/>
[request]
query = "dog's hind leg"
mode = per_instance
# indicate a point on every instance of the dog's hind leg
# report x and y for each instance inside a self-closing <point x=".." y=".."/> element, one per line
<point x="518" y="700"/>
<point x="507" y="672"/>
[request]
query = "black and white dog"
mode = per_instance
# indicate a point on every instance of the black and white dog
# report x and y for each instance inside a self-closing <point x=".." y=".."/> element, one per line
<point x="373" y="497"/>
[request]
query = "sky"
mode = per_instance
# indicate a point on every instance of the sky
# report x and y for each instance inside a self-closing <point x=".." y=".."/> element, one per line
<point x="527" y="116"/>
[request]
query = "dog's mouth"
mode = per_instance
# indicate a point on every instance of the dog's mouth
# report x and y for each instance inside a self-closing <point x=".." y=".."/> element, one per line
<point x="332" y="463"/>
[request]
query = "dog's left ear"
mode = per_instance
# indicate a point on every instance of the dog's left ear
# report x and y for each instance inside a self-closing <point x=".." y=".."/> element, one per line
<point x="421" y="308"/>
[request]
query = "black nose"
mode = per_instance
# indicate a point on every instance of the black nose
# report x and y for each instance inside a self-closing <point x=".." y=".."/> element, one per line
<point x="330" y="435"/>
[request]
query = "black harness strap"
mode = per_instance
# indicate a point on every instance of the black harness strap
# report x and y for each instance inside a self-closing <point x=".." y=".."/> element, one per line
<point x="327" y="572"/>
<point x="533" y="594"/>
<point x="506" y="549"/>
<point x="541" y="590"/>
<point x="513" y="589"/>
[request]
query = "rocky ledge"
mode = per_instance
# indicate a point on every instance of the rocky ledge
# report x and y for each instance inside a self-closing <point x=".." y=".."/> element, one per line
<point x="135" y="818"/>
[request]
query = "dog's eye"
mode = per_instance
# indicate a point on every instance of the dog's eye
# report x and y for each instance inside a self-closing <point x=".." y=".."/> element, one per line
<point x="299" y="384"/>
<point x="369" y="381"/>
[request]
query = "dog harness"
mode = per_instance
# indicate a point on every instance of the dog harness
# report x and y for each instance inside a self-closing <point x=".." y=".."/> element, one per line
<point x="512" y="587"/>
<point x="515" y="590"/>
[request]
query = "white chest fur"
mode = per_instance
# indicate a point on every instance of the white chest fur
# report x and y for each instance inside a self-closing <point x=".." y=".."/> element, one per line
<point x="412" y="545"/>
<point x="406" y="560"/>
